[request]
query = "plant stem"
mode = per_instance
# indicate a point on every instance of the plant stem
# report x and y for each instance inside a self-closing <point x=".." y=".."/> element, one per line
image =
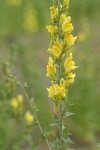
<point x="35" y="115"/>
<point x="61" y="127"/>
<point x="61" y="114"/>
<point x="30" y="104"/>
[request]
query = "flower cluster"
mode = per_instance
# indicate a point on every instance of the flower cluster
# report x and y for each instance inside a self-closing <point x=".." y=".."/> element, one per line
<point x="17" y="104"/>
<point x="61" y="64"/>
<point x="29" y="118"/>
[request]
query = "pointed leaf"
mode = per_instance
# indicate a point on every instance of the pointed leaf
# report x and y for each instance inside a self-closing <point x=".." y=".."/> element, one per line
<point x="67" y="114"/>
<point x="68" y="140"/>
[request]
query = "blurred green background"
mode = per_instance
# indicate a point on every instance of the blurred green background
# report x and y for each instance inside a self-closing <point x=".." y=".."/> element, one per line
<point x="23" y="46"/>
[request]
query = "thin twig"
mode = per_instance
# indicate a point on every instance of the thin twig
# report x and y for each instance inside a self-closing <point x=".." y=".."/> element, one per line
<point x="61" y="127"/>
<point x="35" y="115"/>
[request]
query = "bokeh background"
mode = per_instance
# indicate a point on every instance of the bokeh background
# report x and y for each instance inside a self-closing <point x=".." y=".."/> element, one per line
<point x="23" y="50"/>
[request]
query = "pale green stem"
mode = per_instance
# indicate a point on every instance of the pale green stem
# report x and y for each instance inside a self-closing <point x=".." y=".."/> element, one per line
<point x="61" y="105"/>
<point x="35" y="115"/>
<point x="61" y="127"/>
<point x="61" y="113"/>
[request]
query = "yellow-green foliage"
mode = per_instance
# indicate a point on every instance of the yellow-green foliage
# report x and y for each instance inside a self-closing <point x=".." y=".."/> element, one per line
<point x="31" y="59"/>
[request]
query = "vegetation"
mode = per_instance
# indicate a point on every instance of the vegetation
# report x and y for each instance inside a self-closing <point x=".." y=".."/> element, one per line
<point x="23" y="53"/>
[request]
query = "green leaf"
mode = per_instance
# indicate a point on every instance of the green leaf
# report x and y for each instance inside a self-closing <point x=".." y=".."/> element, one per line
<point x="53" y="145"/>
<point x="25" y="85"/>
<point x="67" y="114"/>
<point x="56" y="144"/>
<point x="68" y="140"/>
<point x="46" y="134"/>
<point x="54" y="124"/>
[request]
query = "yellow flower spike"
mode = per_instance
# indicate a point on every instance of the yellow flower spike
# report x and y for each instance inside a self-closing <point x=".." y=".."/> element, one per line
<point x="52" y="29"/>
<point x="51" y="68"/>
<point x="29" y="118"/>
<point x="53" y="13"/>
<point x="56" y="50"/>
<point x="61" y="40"/>
<point x="14" y="103"/>
<point x="69" y="39"/>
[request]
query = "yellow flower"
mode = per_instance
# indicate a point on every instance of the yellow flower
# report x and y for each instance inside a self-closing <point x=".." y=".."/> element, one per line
<point x="69" y="39"/>
<point x="70" y="78"/>
<point x="69" y="81"/>
<point x="52" y="91"/>
<point x="51" y="68"/>
<point x="53" y="12"/>
<point x="61" y="92"/>
<point x="62" y="18"/>
<point x="14" y="103"/>
<point x="62" y="89"/>
<point x="52" y="29"/>
<point x="67" y="27"/>
<point x="71" y="75"/>
<point x="69" y="64"/>
<point x="29" y="118"/>
<point x="56" y="50"/>
<point x="17" y="104"/>
<point x="57" y="92"/>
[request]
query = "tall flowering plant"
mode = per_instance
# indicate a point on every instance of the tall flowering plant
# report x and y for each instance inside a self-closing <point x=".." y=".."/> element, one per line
<point x="60" y="65"/>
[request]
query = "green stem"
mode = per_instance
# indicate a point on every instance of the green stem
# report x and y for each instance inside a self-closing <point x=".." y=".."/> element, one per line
<point x="35" y="115"/>
<point x="61" y="113"/>
<point x="61" y="127"/>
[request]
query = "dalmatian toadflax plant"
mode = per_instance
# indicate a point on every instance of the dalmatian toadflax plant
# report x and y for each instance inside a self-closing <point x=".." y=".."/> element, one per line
<point x="61" y="66"/>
